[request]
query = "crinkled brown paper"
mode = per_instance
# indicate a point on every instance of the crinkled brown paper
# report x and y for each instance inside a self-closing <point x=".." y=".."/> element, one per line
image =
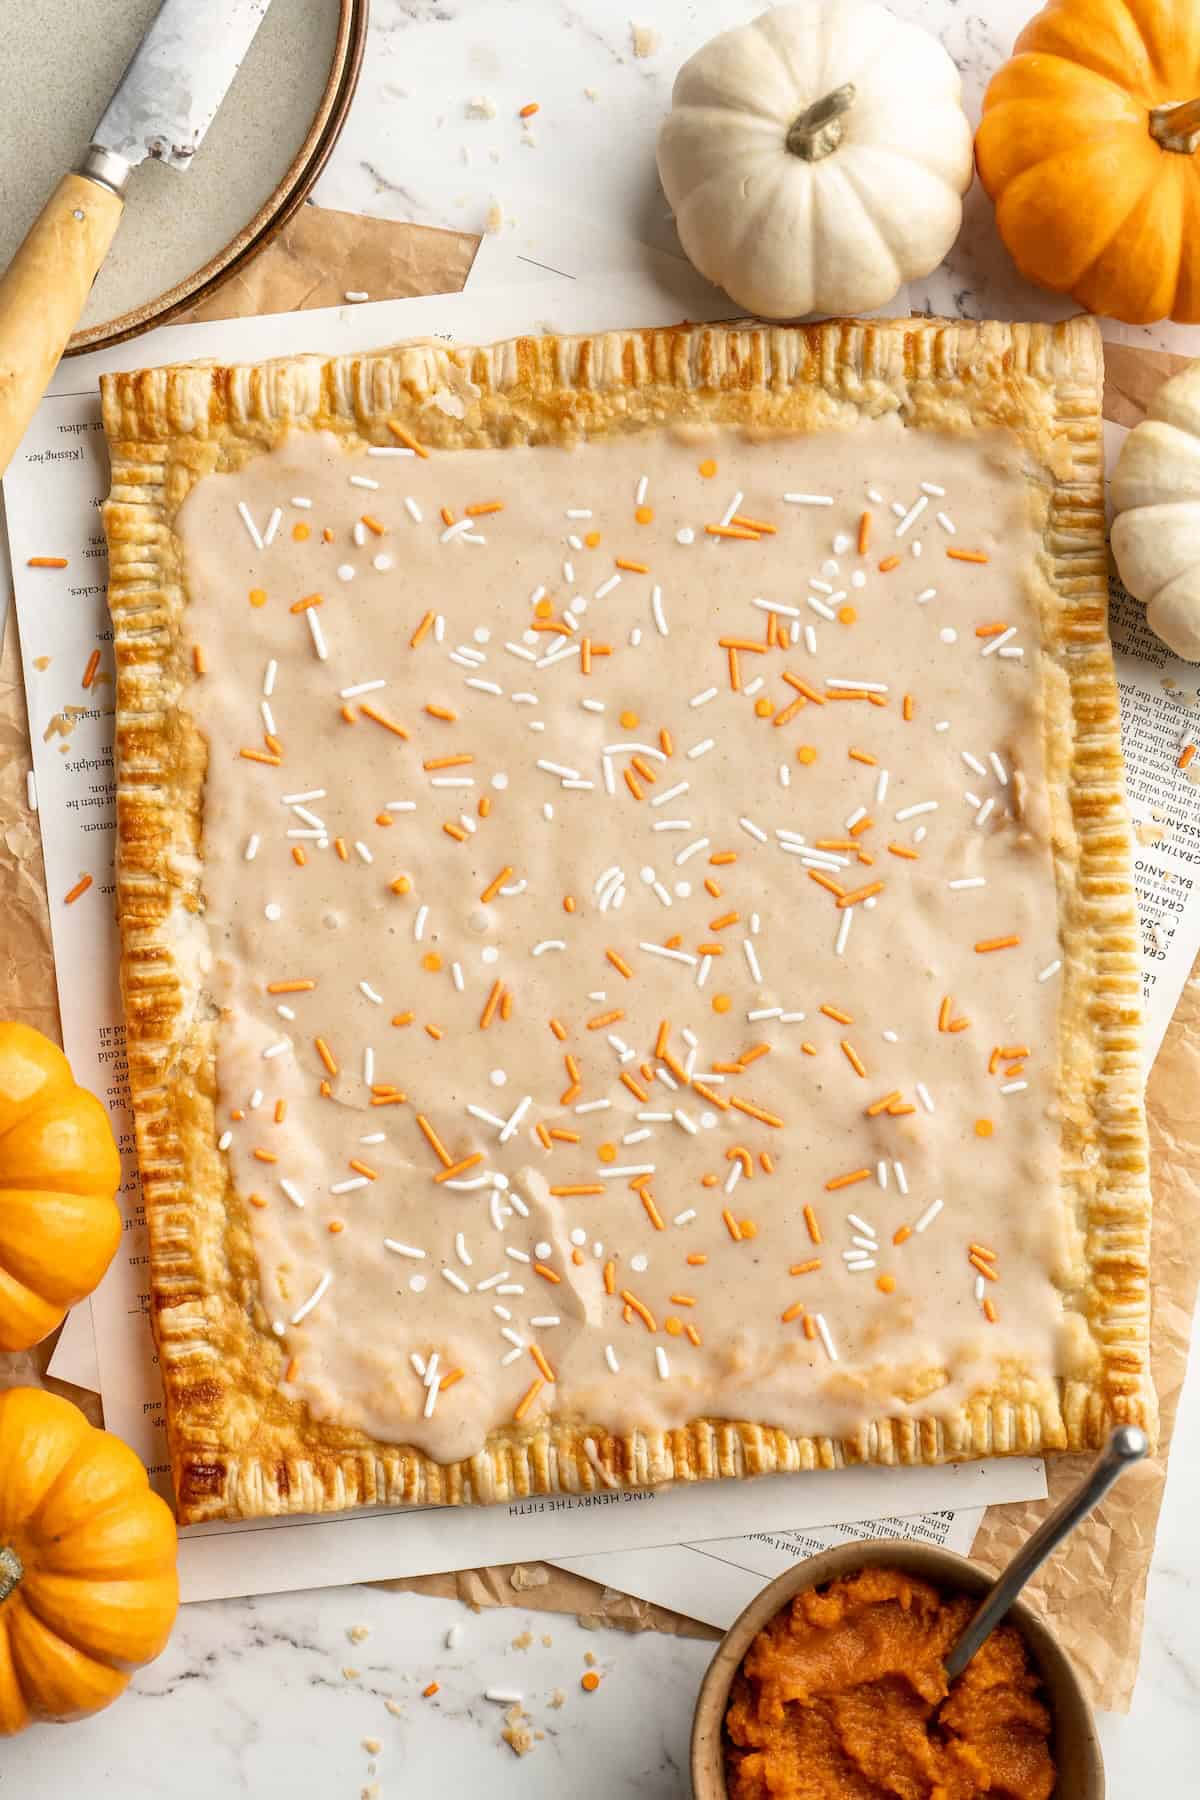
<point x="1094" y="1590"/>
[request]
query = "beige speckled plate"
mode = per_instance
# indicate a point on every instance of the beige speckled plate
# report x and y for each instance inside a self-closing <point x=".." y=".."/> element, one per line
<point x="182" y="234"/>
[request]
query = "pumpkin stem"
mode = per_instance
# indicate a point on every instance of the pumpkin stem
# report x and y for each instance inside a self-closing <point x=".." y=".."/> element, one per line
<point x="11" y="1571"/>
<point x="1177" y="126"/>
<point x="818" y="131"/>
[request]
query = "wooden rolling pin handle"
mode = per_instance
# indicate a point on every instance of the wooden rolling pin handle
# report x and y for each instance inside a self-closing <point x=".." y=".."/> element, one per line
<point x="43" y="292"/>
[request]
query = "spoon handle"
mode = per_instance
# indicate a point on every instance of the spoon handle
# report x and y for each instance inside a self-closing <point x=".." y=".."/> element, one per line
<point x="1127" y="1445"/>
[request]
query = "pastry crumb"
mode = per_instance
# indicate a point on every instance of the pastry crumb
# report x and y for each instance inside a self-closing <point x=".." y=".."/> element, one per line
<point x="395" y="1708"/>
<point x="481" y="106"/>
<point x="558" y="1698"/>
<point x="495" y="217"/>
<point x="42" y="662"/>
<point x="351" y="1674"/>
<point x="358" y="1634"/>
<point x="547" y="1639"/>
<point x="523" y="1575"/>
<point x="372" y="1746"/>
<point x="645" y="39"/>
<point x="517" y="1732"/>
<point x="371" y="1791"/>
<point x="589" y="1659"/>
<point x="522" y="1641"/>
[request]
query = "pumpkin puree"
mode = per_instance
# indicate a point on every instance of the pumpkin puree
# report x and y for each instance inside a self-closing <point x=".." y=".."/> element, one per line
<point x="842" y="1696"/>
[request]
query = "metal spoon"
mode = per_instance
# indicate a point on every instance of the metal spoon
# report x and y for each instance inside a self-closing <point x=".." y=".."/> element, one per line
<point x="1126" y="1446"/>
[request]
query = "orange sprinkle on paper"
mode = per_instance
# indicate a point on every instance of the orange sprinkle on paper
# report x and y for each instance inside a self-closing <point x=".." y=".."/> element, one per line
<point x="841" y="1181"/>
<point x="46" y="562"/>
<point x="1185" y="756"/>
<point x="81" y="887"/>
<point x="969" y="556"/>
<point x="999" y="943"/>
<point x="888" y="564"/>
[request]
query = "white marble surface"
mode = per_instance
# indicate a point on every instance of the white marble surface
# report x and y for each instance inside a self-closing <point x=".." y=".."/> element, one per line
<point x="250" y="1698"/>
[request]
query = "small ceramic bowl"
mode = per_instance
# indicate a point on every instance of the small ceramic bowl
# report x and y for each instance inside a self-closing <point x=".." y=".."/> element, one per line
<point x="1075" y="1746"/>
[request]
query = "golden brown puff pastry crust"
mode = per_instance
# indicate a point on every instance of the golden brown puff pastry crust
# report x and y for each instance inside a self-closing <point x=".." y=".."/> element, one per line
<point x="238" y="1446"/>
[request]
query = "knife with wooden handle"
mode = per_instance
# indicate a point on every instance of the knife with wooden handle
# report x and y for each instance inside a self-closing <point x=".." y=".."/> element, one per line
<point x="165" y="102"/>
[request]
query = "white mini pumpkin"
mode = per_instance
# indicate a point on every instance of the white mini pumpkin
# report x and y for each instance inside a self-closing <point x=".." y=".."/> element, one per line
<point x="816" y="158"/>
<point x="1156" y="531"/>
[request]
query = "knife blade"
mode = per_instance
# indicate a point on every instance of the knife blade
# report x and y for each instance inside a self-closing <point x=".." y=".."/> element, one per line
<point x="176" y="80"/>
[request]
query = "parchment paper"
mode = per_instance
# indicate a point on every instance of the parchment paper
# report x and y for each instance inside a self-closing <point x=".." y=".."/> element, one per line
<point x="1093" y="1592"/>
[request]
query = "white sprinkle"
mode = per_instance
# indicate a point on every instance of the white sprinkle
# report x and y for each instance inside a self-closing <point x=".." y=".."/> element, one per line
<point x="681" y="1118"/>
<point x="948" y="634"/>
<point x="911" y="812"/>
<point x="692" y="849"/>
<point x="924" y="1096"/>
<point x="419" y="923"/>
<point x="317" y="635"/>
<point x="354" y="294"/>
<point x="881" y="1174"/>
<point x="361" y="687"/>
<point x="819" y="606"/>
<point x="674" y="955"/>
<point x="661" y="1363"/>
<point x="998" y="642"/>
<point x="348" y="1187"/>
<point x="514" y="1118"/>
<point x="1012" y="651"/>
<point x="855" y="686"/>
<point x="776" y="606"/>
<point x="272" y="910"/>
<point x="503" y="1696"/>
<point x="359" y="533"/>
<point x="302" y="501"/>
<point x="1050" y="969"/>
<point x="931" y="487"/>
<point x="1014" y="1087"/>
<point x="512" y="1337"/>
<point x="860" y="812"/>
<point x="345" y="572"/>
<point x="277" y="1049"/>
<point x="252" y="843"/>
<point x="946" y="523"/>
<point x="545" y="1321"/>
<point x="751" y="956"/>
<point x="317" y="1294"/>
<point x="285" y="1012"/>
<point x="859" y="1265"/>
<point x="973" y="763"/>
<point x="791" y="1018"/>
<point x="809" y="499"/>
<point x="998" y="768"/>
<point x="700" y="749"/>
<point x="610" y="1357"/>
<point x="224" y="1141"/>
<point x="656" y="608"/>
<point x="268" y="717"/>
<point x="839" y="947"/>
<point x="901" y="1178"/>
<point x="929" y="1215"/>
<point x="363" y="481"/>
<point x="399" y="1249"/>
<point x="455" y="1280"/>
<point x="914" y="512"/>
<point x="985" y="811"/>
<point x="272" y="526"/>
<point x="968" y="881"/>
<point x="363" y="851"/>
<point x="292" y="1191"/>
<point x="823" y="1329"/>
<point x="822" y="587"/>
<point x="672" y="793"/>
<point x="703" y="697"/>
<point x="752" y="830"/>
<point x="606" y="587"/>
<point x="248" y="522"/>
<point x="572" y="512"/>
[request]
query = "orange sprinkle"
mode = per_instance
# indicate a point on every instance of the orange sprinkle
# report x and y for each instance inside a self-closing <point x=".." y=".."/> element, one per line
<point x="756" y="1112"/>
<point x="441" y="712"/>
<point x="559" y="1029"/>
<point x="808" y="1049"/>
<point x="841" y="1181"/>
<point x="971" y="556"/>
<point x="490" y="1005"/>
<point x="290" y="987"/>
<point x="1000" y="943"/>
<point x="199" y="660"/>
<point x="866" y="824"/>
<point x="326" y="535"/>
<point x="794" y="1311"/>
<point x="605" y="1018"/>
<point x="261" y="756"/>
<point x="909" y="708"/>
<point x="301" y="532"/>
<point x="589" y="1682"/>
<point x="326" y="1055"/>
<point x="434" y="1141"/>
<point x="847" y="615"/>
<point x="827" y="882"/>
<point x="832" y="1012"/>
<point x="904" y="851"/>
<point x="804" y="687"/>
<point x="983" y="1128"/>
<point x="732" y="1226"/>
<point x="652" y="1212"/>
<point x="89" y="674"/>
<point x="362" y="1168"/>
<point x="496" y="883"/>
<point x="719" y="924"/>
<point x="618" y="962"/>
<point x="631" y="567"/>
<point x="902" y="1235"/>
<point x="639" y="1093"/>
<point x="883" y="1104"/>
<point x="735" y="671"/>
<point x="987" y="631"/>
<point x="406" y="438"/>
<point x="886" y="1283"/>
<point x="888" y="564"/>
<point x="81" y="887"/>
<point x="644" y="515"/>
<point x="485" y="805"/>
<point x="527" y="1398"/>
<point x="46" y="562"/>
<point x="765" y="1163"/>
<point x="982" y="1250"/>
<point x="787" y="713"/>
<point x="665" y="742"/>
<point x="454" y="1169"/>
<point x="479" y="509"/>
<point x="754" y="525"/>
<point x="280" y="1111"/>
<point x="732" y="531"/>
<point x="425" y="626"/>
<point x="372" y="712"/>
<point x="539" y="1357"/>
<point x="1185" y="756"/>
<point x="298" y="856"/>
<point x="267" y="1156"/>
<point x="456" y="832"/>
<point x="673" y="1326"/>
<point x="692" y="1335"/>
<point x="852" y="1057"/>
<point x="632" y="784"/>
<point x="447" y="517"/>
<point x="810" y="1327"/>
<point x="707" y="468"/>
<point x="863" y="756"/>
<point x="643" y="1312"/>
<point x="256" y="1199"/>
<point x="752" y="1055"/>
<point x="981" y="1264"/>
<point x="862" y="893"/>
<point x="563" y="1137"/>
<point x="711" y="1095"/>
<point x="350" y="715"/>
<point x="297" y="606"/>
<point x="864" y="533"/>
<point x="989" y="1311"/>
<point x="610" y="1277"/>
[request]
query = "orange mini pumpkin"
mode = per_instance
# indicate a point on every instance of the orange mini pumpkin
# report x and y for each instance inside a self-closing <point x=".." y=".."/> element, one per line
<point x="59" y="1173"/>
<point x="1090" y="148"/>
<point x="88" y="1589"/>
